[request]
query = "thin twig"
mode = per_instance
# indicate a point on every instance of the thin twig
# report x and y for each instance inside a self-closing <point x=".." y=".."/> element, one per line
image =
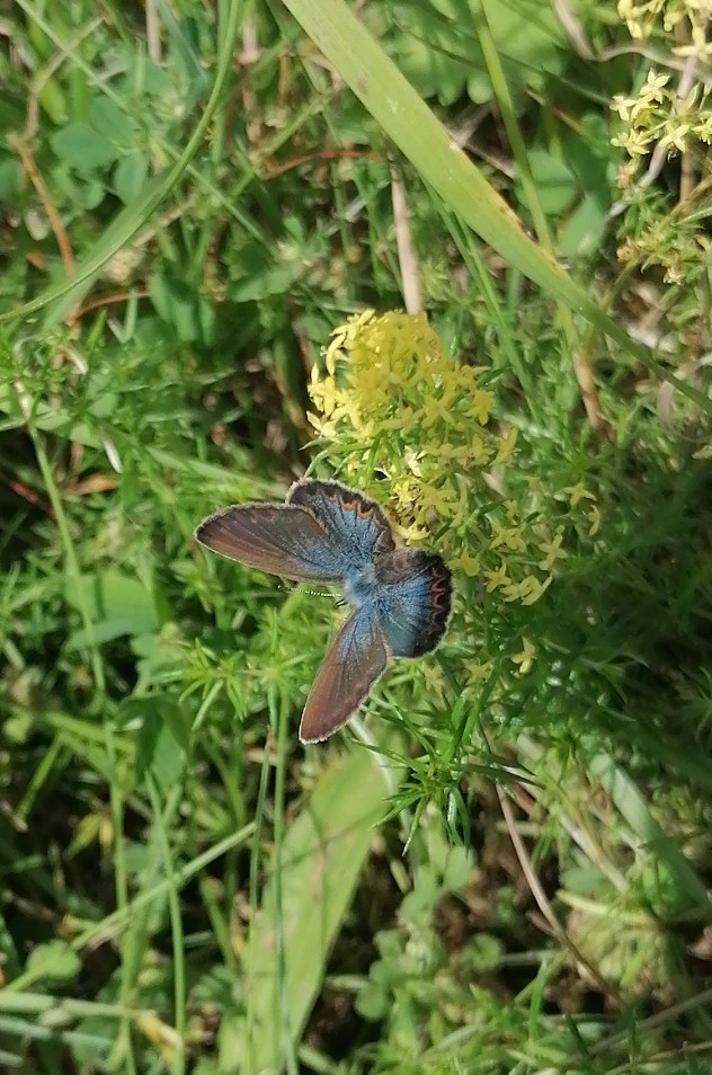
<point x="571" y="25"/>
<point x="576" y="34"/>
<point x="95" y="483"/>
<point x="250" y="51"/>
<point x="153" y="33"/>
<point x="269" y="170"/>
<point x="667" y="1054"/>
<point x="108" y="300"/>
<point x="15" y="141"/>
<point x="586" y="842"/>
<point x="589" y="394"/>
<point x="660" y="152"/>
<point x="20" y="489"/>
<point x="659" y="1019"/>
<point x="410" y="276"/>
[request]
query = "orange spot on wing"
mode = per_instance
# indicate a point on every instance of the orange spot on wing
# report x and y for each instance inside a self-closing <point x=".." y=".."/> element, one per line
<point x="438" y="592"/>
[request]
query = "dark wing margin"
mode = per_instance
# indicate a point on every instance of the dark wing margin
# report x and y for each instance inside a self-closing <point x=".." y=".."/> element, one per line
<point x="354" y="661"/>
<point x="414" y="601"/>
<point x="281" y="539"/>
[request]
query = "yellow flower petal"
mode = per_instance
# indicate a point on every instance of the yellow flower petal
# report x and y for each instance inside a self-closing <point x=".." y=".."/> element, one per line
<point x="467" y="563"/>
<point x="525" y="658"/>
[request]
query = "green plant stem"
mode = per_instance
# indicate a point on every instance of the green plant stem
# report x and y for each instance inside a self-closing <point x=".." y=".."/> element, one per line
<point x="578" y="357"/>
<point x="254" y="908"/>
<point x="282" y="706"/>
<point x="100" y="932"/>
<point x="73" y="570"/>
<point x="176" y="928"/>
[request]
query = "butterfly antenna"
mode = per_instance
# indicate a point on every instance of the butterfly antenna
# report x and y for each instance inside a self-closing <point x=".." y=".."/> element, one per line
<point x="312" y="593"/>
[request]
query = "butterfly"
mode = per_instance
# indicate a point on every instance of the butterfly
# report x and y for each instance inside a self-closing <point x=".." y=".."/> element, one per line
<point x="330" y="533"/>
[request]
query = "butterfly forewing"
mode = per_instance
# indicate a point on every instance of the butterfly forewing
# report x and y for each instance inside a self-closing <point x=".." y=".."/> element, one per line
<point x="357" y="525"/>
<point x="353" y="663"/>
<point x="281" y="539"/>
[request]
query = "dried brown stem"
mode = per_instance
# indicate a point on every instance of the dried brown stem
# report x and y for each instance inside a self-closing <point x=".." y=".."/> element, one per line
<point x="544" y="905"/>
<point x="410" y="276"/>
<point x="55" y="221"/>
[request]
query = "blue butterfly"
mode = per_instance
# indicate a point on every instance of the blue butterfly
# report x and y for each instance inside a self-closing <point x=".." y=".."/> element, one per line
<point x="329" y="533"/>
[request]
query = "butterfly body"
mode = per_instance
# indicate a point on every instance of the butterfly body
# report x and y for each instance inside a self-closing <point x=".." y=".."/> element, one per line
<point x="359" y="586"/>
<point x="326" y="531"/>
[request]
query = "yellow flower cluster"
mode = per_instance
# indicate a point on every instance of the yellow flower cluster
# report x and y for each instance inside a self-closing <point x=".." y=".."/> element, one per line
<point x="391" y="400"/>
<point x="675" y="245"/>
<point x="644" y="17"/>
<point x="656" y="116"/>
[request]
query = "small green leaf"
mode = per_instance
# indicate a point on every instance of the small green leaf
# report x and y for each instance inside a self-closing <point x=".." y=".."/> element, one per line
<point x="556" y="186"/>
<point x="146" y="745"/>
<point x="54" y="101"/>
<point x="86" y="832"/>
<point x="107" y="116"/>
<point x="175" y="303"/>
<point x="155" y="79"/>
<point x="8" y="951"/>
<point x="168" y="757"/>
<point x="484" y="953"/>
<point x="130" y="175"/>
<point x="274" y="281"/>
<point x="458" y="869"/>
<point x="56" y="961"/>
<point x="17" y="728"/>
<point x="372" y="1002"/>
<point x="83" y="147"/>
<point x="10" y="178"/>
<point x="118" y="604"/>
<point x="583" y="232"/>
<point x="90" y="194"/>
<point x="430" y="54"/>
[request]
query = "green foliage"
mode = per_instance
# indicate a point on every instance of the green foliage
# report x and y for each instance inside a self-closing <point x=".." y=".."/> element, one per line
<point x="187" y="217"/>
<point x="436" y="48"/>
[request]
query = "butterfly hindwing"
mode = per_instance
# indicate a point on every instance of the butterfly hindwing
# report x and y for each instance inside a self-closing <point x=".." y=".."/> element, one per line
<point x="353" y="662"/>
<point x="355" y="524"/>
<point x="281" y="539"/>
<point x="413" y="600"/>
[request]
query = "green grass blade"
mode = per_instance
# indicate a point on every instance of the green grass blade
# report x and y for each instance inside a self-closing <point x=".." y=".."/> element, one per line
<point x="179" y="988"/>
<point x="322" y="856"/>
<point x="112" y="925"/>
<point x="628" y="800"/>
